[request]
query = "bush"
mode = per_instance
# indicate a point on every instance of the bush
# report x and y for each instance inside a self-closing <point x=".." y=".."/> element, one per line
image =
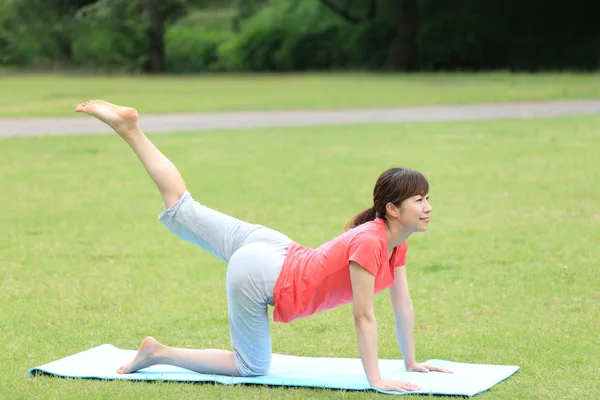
<point x="101" y="48"/>
<point x="287" y="36"/>
<point x="261" y="37"/>
<point x="458" y="42"/>
<point x="25" y="40"/>
<point x="103" y="40"/>
<point x="254" y="50"/>
<point x="190" y="49"/>
<point x="366" y="46"/>
<point x="534" y="35"/>
<point x="5" y="32"/>
<point x="309" y="50"/>
<point x="109" y="50"/>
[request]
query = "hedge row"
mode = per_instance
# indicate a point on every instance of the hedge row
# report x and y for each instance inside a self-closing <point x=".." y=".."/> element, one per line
<point x="290" y="35"/>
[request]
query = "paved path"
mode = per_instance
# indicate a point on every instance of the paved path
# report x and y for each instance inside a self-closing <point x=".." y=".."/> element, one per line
<point x="82" y="124"/>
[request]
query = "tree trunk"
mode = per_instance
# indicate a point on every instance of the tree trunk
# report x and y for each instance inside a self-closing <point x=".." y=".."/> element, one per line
<point x="403" y="49"/>
<point x="156" y="38"/>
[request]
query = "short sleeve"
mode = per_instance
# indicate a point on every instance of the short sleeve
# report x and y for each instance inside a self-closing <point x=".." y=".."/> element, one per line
<point x="399" y="259"/>
<point x="366" y="251"/>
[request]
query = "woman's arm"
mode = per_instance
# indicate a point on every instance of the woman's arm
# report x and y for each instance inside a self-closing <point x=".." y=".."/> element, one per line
<point x="363" y="284"/>
<point x="404" y="314"/>
<point x="363" y="291"/>
<point x="405" y="323"/>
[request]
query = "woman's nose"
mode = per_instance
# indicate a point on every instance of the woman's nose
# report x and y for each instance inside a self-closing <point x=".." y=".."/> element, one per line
<point x="428" y="207"/>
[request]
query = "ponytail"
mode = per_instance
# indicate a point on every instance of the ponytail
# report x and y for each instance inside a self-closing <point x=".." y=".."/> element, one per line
<point x="365" y="216"/>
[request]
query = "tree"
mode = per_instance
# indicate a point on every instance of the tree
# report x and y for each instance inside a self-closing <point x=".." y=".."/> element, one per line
<point x="344" y="12"/>
<point x="402" y="50"/>
<point x="159" y="13"/>
<point x="118" y="14"/>
<point x="402" y="54"/>
<point x="49" y="23"/>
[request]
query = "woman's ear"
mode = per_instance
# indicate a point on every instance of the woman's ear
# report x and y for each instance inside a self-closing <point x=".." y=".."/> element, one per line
<point x="392" y="210"/>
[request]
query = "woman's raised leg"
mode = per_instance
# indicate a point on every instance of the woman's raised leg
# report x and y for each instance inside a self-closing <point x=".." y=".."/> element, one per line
<point x="124" y="121"/>
<point x="219" y="233"/>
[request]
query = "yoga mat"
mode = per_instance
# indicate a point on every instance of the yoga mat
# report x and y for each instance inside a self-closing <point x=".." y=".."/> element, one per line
<point x="335" y="373"/>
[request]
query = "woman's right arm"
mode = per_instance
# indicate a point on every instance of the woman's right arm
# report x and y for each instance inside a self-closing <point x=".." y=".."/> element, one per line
<point x="363" y="284"/>
<point x="363" y="292"/>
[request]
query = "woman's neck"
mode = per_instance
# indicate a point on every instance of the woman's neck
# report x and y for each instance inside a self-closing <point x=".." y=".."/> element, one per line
<point x="396" y="234"/>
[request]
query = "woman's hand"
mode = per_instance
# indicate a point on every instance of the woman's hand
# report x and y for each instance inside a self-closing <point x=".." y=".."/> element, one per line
<point x="418" y="367"/>
<point x="396" y="386"/>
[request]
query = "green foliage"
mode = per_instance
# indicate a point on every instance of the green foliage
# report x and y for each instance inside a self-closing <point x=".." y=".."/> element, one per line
<point x="367" y="45"/>
<point x="102" y="48"/>
<point x="459" y="41"/>
<point x="288" y="36"/>
<point x="532" y="35"/>
<point x="452" y="35"/>
<point x="247" y="8"/>
<point x="112" y="36"/>
<point x="6" y="38"/>
<point x="262" y="36"/>
<point x="294" y="35"/>
<point x="192" y="42"/>
<point x="36" y="32"/>
<point x="191" y="49"/>
<point x="107" y="34"/>
<point x="209" y="19"/>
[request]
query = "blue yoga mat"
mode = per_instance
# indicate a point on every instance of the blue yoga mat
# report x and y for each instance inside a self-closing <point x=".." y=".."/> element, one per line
<point x="335" y="373"/>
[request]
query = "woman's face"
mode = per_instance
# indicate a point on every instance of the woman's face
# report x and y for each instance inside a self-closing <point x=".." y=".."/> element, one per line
<point x="414" y="213"/>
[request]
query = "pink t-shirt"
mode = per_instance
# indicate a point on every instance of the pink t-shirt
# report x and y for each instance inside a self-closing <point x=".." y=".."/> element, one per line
<point x="313" y="280"/>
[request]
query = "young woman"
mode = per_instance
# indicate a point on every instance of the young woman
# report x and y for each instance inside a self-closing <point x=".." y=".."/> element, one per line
<point x="266" y="267"/>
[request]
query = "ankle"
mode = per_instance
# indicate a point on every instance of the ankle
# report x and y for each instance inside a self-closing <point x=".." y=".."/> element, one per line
<point x="160" y="354"/>
<point x="130" y="130"/>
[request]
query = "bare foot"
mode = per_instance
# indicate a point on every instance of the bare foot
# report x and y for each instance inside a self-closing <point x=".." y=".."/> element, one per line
<point x="122" y="119"/>
<point x="146" y="356"/>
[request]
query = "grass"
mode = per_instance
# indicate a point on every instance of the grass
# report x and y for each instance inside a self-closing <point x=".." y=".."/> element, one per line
<point x="507" y="274"/>
<point x="34" y="95"/>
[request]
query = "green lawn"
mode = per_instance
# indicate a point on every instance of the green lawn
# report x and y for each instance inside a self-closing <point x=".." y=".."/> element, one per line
<point x="507" y="274"/>
<point x="56" y="95"/>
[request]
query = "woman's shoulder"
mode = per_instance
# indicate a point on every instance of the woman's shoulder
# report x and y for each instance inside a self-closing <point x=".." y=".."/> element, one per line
<point x="374" y="228"/>
<point x="369" y="232"/>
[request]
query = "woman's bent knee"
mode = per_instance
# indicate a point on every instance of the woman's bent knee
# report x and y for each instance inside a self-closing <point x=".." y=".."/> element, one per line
<point x="249" y="368"/>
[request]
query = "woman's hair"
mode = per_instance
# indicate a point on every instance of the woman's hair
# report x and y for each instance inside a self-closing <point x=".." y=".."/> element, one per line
<point x="393" y="186"/>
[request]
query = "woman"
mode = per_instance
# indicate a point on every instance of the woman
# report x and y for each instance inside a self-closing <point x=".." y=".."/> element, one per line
<point x="266" y="267"/>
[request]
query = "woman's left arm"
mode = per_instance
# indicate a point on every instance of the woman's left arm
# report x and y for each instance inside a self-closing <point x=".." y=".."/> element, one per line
<point x="404" y="314"/>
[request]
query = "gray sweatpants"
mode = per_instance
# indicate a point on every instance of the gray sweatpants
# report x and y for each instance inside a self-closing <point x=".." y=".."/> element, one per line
<point x="255" y="255"/>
